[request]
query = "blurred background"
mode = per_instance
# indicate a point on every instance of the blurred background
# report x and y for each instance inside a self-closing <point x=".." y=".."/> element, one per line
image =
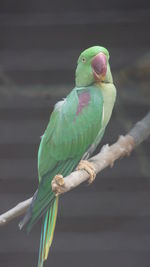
<point x="105" y="224"/>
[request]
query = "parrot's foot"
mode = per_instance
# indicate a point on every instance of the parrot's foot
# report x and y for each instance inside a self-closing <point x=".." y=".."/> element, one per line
<point x="88" y="167"/>
<point x="58" y="184"/>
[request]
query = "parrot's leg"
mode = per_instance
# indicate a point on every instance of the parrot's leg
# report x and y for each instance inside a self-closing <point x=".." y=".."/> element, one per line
<point x="57" y="184"/>
<point x="88" y="167"/>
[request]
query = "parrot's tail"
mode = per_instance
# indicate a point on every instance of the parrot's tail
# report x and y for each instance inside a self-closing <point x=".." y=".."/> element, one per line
<point x="47" y="232"/>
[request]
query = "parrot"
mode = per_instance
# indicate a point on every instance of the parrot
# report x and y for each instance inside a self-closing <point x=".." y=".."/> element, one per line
<point x="76" y="127"/>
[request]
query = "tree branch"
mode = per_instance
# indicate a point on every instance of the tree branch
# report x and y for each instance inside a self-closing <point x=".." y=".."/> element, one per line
<point x="17" y="211"/>
<point x="105" y="158"/>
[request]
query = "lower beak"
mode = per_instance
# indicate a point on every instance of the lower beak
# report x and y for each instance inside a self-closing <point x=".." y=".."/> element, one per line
<point x="99" y="66"/>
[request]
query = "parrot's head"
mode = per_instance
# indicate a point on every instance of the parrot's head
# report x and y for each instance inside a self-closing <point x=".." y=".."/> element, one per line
<point x="93" y="66"/>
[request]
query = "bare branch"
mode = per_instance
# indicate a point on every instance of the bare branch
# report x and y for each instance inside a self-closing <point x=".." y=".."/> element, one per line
<point x="105" y="158"/>
<point x="15" y="212"/>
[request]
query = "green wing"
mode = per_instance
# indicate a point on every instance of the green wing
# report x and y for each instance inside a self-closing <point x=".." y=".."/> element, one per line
<point x="72" y="129"/>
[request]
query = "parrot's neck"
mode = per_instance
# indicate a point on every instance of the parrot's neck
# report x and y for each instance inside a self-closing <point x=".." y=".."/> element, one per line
<point x="109" y="95"/>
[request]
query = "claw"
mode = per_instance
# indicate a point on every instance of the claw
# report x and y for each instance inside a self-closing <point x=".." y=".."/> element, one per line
<point x="57" y="184"/>
<point x="88" y="167"/>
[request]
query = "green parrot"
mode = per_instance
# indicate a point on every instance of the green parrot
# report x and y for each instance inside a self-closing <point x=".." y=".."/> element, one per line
<point x="75" y="128"/>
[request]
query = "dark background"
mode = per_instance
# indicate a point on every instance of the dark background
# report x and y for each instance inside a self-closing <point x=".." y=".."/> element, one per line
<point x="105" y="224"/>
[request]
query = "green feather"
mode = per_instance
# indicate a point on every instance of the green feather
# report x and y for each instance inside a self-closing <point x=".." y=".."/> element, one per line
<point x="76" y="127"/>
<point x="47" y="232"/>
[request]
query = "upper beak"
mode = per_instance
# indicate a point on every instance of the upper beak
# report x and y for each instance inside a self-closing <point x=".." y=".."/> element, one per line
<point x="99" y="66"/>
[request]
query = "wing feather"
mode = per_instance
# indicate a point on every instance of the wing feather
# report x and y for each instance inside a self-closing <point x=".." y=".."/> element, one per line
<point x="69" y="134"/>
<point x="73" y="127"/>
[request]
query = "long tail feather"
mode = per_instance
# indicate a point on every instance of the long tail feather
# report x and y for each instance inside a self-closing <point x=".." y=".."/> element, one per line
<point x="45" y="204"/>
<point x="47" y="232"/>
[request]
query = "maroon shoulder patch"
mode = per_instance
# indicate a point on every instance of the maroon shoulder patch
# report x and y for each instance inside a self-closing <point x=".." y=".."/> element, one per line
<point x="84" y="99"/>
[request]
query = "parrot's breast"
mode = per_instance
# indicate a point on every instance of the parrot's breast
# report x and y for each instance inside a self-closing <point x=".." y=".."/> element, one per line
<point x="109" y="96"/>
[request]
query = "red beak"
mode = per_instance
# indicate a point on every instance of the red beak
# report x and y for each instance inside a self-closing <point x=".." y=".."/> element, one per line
<point x="99" y="66"/>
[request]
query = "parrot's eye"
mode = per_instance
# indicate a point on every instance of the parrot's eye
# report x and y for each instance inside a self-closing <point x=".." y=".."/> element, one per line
<point x="83" y="59"/>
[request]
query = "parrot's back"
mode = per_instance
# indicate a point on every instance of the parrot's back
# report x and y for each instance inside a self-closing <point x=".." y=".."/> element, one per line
<point x="72" y="129"/>
<point x="76" y="127"/>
